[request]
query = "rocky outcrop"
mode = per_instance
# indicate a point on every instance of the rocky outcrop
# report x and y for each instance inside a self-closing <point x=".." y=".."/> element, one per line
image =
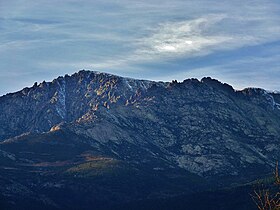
<point x="65" y="99"/>
<point x="91" y="124"/>
<point x="205" y="127"/>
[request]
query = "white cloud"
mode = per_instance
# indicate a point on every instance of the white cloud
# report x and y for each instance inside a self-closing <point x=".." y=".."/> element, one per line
<point x="206" y="34"/>
<point x="182" y="37"/>
<point x="131" y="36"/>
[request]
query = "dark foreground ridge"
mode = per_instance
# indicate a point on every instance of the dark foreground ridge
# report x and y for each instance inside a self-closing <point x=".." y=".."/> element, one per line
<point x="95" y="139"/>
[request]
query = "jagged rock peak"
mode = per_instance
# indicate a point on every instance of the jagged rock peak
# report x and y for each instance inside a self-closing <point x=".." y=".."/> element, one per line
<point x="262" y="96"/>
<point x="217" y="84"/>
<point x="83" y="77"/>
<point x="254" y="90"/>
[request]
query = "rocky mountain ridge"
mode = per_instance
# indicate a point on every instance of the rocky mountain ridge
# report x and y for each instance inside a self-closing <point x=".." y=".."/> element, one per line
<point x="176" y="137"/>
<point x="69" y="98"/>
<point x="65" y="99"/>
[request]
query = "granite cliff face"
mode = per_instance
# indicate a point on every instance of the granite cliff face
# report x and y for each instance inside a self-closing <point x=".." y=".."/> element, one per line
<point x="93" y="128"/>
<point x="65" y="99"/>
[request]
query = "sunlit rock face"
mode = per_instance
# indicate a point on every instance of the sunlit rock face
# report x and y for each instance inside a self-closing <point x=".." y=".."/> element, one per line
<point x="201" y="126"/>
<point x="65" y="99"/>
<point x="93" y="124"/>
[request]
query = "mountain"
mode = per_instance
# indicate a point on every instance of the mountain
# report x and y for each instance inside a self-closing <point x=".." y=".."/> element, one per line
<point x="65" y="99"/>
<point x="95" y="139"/>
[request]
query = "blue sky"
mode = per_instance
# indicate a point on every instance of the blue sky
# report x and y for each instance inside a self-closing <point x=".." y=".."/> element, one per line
<point x="237" y="42"/>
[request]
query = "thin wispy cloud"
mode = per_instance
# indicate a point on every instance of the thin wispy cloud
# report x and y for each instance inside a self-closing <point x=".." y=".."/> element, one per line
<point x="183" y="37"/>
<point x="143" y="39"/>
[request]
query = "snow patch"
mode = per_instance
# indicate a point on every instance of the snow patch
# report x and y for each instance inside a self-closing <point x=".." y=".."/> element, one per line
<point x="271" y="100"/>
<point x="127" y="83"/>
<point x="61" y="103"/>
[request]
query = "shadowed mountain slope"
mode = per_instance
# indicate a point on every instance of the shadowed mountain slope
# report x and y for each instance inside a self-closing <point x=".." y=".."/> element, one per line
<point x="105" y="139"/>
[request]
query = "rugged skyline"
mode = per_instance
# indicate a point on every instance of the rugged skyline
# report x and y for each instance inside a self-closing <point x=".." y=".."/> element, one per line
<point x="236" y="42"/>
<point x="95" y="139"/>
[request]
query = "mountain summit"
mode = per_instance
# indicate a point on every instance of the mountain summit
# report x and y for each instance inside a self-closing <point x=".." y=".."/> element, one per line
<point x="104" y="138"/>
<point x="65" y="99"/>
